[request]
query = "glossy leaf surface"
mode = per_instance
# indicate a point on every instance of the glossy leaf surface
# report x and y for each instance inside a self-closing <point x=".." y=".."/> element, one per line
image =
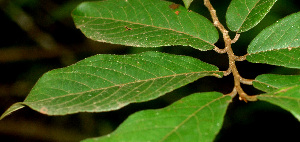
<point x="144" y="23"/>
<point x="288" y="98"/>
<point x="195" y="118"/>
<point x="109" y="82"/>
<point x="278" y="44"/>
<point x="242" y="15"/>
<point x="272" y="82"/>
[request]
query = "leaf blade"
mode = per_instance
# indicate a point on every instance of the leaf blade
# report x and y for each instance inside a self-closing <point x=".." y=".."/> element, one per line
<point x="11" y="109"/>
<point x="109" y="82"/>
<point x="241" y="16"/>
<point x="148" y="23"/>
<point x="278" y="44"/>
<point x="288" y="98"/>
<point x="197" y="117"/>
<point x="272" y="82"/>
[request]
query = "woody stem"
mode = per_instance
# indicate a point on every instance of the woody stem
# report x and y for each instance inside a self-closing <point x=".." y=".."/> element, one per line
<point x="232" y="58"/>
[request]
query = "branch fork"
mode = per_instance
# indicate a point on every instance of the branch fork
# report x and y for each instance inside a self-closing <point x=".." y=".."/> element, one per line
<point x="232" y="58"/>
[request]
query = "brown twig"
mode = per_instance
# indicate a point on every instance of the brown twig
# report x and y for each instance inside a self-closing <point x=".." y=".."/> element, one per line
<point x="241" y="58"/>
<point x="246" y="81"/>
<point x="221" y="51"/>
<point x="227" y="72"/>
<point x="237" y="36"/>
<point x="232" y="58"/>
<point x="233" y="93"/>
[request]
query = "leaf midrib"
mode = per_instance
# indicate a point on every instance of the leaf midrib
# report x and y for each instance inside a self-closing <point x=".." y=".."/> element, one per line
<point x="279" y="97"/>
<point x="120" y="85"/>
<point x="271" y="28"/>
<point x="190" y="116"/>
<point x="266" y="84"/>
<point x="249" y="11"/>
<point x="289" y="48"/>
<point x="130" y="22"/>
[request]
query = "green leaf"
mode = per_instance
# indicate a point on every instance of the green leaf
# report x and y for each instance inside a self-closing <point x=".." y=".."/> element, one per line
<point x="196" y="118"/>
<point x="243" y="15"/>
<point x="109" y="82"/>
<point x="278" y="44"/>
<point x="144" y="23"/>
<point x="187" y="3"/>
<point x="272" y="82"/>
<point x="11" y="109"/>
<point x="288" y="98"/>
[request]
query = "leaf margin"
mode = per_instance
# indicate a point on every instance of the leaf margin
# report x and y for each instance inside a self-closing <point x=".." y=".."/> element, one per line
<point x="31" y="101"/>
<point x="157" y="112"/>
<point x="240" y="29"/>
<point x="260" y="50"/>
<point x="268" y="82"/>
<point x="288" y="93"/>
<point x="206" y="45"/>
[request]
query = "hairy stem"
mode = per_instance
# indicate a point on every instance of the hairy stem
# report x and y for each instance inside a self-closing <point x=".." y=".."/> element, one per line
<point x="237" y="36"/>
<point x="232" y="58"/>
<point x="241" y="58"/>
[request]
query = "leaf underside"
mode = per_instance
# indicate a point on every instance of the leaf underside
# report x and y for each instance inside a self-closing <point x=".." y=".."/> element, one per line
<point x="109" y="82"/>
<point x="278" y="44"/>
<point x="146" y="23"/>
<point x="197" y="117"/>
<point x="288" y="98"/>
<point x="243" y="15"/>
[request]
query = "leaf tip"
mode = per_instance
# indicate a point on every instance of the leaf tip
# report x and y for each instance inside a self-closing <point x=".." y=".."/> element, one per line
<point x="187" y="3"/>
<point x="11" y="109"/>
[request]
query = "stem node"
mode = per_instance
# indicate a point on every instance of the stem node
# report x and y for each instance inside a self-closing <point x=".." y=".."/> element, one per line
<point x="232" y="58"/>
